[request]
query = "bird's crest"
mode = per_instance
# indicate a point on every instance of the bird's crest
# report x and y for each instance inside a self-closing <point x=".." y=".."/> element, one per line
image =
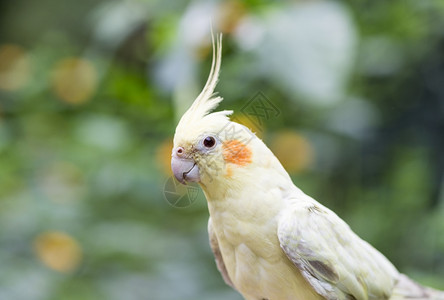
<point x="207" y="100"/>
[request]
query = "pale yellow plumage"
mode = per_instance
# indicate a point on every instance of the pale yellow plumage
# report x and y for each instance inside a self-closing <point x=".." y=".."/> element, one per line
<point x="270" y="240"/>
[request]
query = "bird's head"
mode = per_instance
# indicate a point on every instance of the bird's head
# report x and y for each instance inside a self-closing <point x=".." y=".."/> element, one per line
<point x="208" y="147"/>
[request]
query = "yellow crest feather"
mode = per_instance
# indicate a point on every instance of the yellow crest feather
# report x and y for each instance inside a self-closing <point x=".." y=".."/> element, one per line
<point x="207" y="101"/>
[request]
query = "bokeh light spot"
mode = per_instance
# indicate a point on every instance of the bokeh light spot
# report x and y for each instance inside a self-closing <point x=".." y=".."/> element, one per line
<point x="244" y="120"/>
<point x="229" y="15"/>
<point x="163" y="156"/>
<point x="14" y="67"/>
<point x="58" y="251"/>
<point x="293" y="150"/>
<point x="74" y="80"/>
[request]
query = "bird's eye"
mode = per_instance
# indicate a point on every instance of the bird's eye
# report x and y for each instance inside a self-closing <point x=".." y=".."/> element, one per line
<point x="209" y="142"/>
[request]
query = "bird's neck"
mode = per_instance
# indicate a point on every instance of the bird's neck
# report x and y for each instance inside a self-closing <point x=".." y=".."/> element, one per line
<point x="263" y="184"/>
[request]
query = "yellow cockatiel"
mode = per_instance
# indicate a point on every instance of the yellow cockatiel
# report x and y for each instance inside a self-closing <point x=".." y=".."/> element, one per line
<point x="271" y="241"/>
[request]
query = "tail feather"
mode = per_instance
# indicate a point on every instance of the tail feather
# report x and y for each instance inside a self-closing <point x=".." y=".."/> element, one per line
<point x="408" y="289"/>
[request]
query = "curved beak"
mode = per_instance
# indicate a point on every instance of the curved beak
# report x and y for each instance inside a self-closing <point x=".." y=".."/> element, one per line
<point x="184" y="169"/>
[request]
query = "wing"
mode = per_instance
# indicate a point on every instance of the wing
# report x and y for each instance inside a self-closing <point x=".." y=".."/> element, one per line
<point x="407" y="289"/>
<point x="331" y="257"/>
<point x="214" y="244"/>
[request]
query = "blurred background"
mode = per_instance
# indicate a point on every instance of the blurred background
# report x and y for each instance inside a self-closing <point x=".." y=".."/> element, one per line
<point x="91" y="92"/>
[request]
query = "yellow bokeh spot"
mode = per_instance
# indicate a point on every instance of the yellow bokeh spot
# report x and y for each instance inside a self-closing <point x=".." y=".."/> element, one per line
<point x="163" y="155"/>
<point x="293" y="150"/>
<point x="58" y="251"/>
<point x="74" y="80"/>
<point x="14" y="67"/>
<point x="244" y="120"/>
<point x="229" y="14"/>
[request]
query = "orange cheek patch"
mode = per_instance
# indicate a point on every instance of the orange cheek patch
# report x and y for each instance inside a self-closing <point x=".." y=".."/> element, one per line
<point x="236" y="152"/>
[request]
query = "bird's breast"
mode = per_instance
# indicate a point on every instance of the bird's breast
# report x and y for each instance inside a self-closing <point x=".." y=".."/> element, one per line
<point x="254" y="260"/>
<point x="270" y="277"/>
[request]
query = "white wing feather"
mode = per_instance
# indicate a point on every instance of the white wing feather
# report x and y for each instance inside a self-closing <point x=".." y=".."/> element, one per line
<point x="331" y="257"/>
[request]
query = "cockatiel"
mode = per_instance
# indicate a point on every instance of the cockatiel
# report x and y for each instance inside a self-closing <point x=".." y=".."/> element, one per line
<point x="270" y="240"/>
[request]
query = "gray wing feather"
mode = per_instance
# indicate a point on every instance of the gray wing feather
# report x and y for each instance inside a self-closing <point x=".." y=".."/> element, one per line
<point x="333" y="259"/>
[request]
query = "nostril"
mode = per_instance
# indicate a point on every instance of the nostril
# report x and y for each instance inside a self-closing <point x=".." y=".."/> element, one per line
<point x="179" y="151"/>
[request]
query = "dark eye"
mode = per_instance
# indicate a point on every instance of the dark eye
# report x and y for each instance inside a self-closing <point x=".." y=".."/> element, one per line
<point x="209" y="142"/>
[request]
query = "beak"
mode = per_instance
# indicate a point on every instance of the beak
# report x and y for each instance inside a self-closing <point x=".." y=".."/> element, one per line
<point x="184" y="169"/>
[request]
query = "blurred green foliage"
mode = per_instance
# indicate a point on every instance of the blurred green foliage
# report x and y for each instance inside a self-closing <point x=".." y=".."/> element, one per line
<point x="90" y="94"/>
